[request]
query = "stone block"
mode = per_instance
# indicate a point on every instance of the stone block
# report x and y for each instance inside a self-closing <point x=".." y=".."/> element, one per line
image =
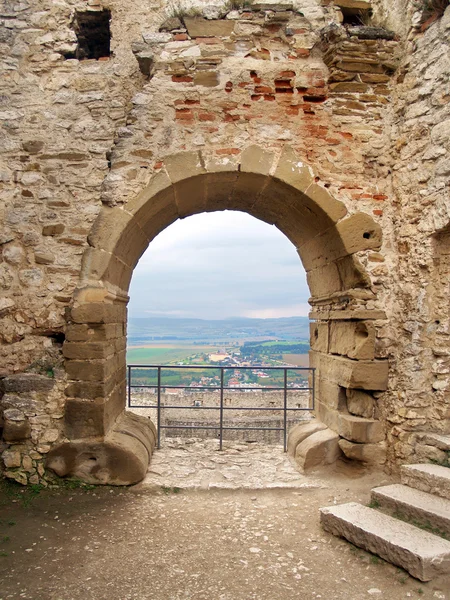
<point x="26" y="382"/>
<point x="108" y="228"/>
<point x="361" y="404"/>
<point x="320" y="448"/>
<point x="324" y="280"/>
<point x="352" y="273"/>
<point x="432" y="479"/>
<point x="255" y="159"/>
<point x="420" y="553"/>
<point x="300" y="432"/>
<point x="353" y="339"/>
<point x="292" y="171"/>
<point x="91" y="333"/>
<point x="184" y="165"/>
<point x="357" y="429"/>
<point x="353" y="234"/>
<point x="89" y="370"/>
<point x="207" y="78"/>
<point x="327" y="415"/>
<point x="354" y="374"/>
<point x="99" y="313"/>
<point x="321" y="197"/>
<point x="156" y="196"/>
<point x="90" y="390"/>
<point x="372" y="454"/>
<point x="318" y="335"/>
<point x="87" y="350"/>
<point x="122" y="458"/>
<point x="428" y="511"/>
<point x="199" y="27"/>
<point x="331" y="394"/>
<point x="190" y="196"/>
<point x="12" y="458"/>
<point x="16" y="431"/>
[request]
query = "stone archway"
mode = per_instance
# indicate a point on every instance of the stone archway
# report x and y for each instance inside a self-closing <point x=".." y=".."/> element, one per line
<point x="108" y="445"/>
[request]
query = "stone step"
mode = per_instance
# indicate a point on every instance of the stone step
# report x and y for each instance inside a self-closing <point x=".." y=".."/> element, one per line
<point x="430" y="478"/>
<point x="419" y="508"/>
<point x="422" y="554"/>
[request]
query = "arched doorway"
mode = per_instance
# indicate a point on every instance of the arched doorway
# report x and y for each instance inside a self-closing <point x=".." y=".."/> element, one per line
<point x="106" y="444"/>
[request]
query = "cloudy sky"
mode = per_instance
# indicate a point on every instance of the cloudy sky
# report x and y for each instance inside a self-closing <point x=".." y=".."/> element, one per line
<point x="218" y="265"/>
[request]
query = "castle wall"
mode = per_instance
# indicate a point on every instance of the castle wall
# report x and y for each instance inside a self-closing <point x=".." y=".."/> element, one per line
<point x="369" y="116"/>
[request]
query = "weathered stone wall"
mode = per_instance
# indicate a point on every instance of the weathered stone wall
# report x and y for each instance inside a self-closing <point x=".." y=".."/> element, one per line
<point x="368" y="112"/>
<point x="232" y="418"/>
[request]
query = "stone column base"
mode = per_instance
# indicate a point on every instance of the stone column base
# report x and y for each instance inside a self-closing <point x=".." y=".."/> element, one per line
<point x="120" y="458"/>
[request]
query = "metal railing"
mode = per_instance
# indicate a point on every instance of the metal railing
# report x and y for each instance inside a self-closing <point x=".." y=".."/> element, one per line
<point x="221" y="427"/>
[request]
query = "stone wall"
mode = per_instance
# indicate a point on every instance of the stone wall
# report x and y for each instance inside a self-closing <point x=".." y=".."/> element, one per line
<point x="292" y="113"/>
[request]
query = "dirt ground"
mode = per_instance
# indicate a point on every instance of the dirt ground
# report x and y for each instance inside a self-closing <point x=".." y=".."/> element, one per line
<point x="169" y="544"/>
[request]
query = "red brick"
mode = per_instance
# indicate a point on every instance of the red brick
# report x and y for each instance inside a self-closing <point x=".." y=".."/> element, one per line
<point x="269" y="97"/>
<point x="263" y="89"/>
<point x="287" y="74"/>
<point x="184" y="114"/>
<point x="180" y="37"/>
<point x="206" y="117"/>
<point x="302" y="52"/>
<point x="378" y="212"/>
<point x="256" y="97"/>
<point x="182" y="78"/>
<point x="230" y="118"/>
<point x="283" y="83"/>
<point x="158" y="165"/>
<point x="380" y="197"/>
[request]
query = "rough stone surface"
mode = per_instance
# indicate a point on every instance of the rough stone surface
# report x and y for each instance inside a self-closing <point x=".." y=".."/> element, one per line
<point x="372" y="454"/>
<point x="429" y="511"/>
<point x="320" y="448"/>
<point x="300" y="432"/>
<point x="433" y="479"/>
<point x="420" y="553"/>
<point x="122" y="458"/>
<point x="199" y="464"/>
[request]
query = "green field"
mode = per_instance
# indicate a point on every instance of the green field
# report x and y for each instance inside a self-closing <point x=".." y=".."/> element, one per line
<point x="163" y="355"/>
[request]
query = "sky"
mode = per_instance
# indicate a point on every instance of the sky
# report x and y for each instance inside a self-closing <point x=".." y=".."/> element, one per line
<point x="219" y="265"/>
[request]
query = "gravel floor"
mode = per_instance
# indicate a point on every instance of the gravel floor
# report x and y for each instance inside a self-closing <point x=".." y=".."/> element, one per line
<point x="169" y="543"/>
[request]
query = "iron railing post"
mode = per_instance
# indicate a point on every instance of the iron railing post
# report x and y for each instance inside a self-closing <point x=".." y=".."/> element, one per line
<point x="285" y="412"/>
<point x="129" y="387"/>
<point x="221" y="409"/>
<point x="158" y="408"/>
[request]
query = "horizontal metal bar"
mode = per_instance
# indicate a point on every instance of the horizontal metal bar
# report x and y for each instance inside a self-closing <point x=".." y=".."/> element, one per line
<point x="307" y="408"/>
<point x="225" y="367"/>
<point x="187" y="427"/>
<point x="231" y="389"/>
<point x="254" y="428"/>
<point x="218" y="427"/>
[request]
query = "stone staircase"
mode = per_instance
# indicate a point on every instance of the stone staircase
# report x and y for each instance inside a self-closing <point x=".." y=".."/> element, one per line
<point x="407" y="524"/>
